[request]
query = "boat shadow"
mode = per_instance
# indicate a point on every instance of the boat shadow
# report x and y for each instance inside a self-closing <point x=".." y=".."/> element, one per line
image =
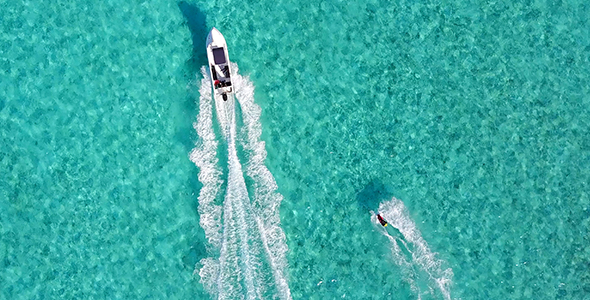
<point x="196" y="22"/>
<point x="372" y="194"/>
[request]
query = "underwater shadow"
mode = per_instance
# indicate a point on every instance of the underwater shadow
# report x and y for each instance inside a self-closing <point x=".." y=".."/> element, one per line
<point x="196" y="22"/>
<point x="372" y="194"/>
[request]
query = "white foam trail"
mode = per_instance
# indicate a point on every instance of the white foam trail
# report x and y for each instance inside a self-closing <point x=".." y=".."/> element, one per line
<point x="405" y="264"/>
<point x="204" y="156"/>
<point x="247" y="237"/>
<point x="397" y="215"/>
<point x="237" y="199"/>
<point x="266" y="198"/>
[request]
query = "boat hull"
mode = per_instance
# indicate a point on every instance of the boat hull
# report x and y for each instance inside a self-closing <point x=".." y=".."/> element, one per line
<point x="221" y="79"/>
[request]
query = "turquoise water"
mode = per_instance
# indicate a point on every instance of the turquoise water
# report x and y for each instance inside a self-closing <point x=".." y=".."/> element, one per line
<point x="473" y="115"/>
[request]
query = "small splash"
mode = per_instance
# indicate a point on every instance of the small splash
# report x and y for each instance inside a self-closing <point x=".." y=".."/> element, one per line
<point x="420" y="266"/>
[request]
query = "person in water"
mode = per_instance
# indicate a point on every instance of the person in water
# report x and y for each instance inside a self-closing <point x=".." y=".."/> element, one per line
<point x="381" y="220"/>
<point x="397" y="236"/>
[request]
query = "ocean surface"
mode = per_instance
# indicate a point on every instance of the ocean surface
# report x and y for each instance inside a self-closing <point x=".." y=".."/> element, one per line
<point x="465" y="124"/>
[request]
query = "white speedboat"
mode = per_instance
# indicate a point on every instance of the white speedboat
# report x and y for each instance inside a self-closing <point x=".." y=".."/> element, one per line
<point x="219" y="67"/>
<point x="220" y="73"/>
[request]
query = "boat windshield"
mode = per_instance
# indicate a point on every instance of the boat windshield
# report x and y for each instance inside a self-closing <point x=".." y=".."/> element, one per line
<point x="219" y="56"/>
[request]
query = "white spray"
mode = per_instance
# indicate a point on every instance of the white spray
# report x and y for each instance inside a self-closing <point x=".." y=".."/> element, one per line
<point x="422" y="260"/>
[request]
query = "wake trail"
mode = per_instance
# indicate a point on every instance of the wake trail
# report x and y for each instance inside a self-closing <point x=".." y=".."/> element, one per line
<point x="420" y="266"/>
<point x="237" y="198"/>
<point x="266" y="198"/>
<point x="246" y="243"/>
<point x="204" y="155"/>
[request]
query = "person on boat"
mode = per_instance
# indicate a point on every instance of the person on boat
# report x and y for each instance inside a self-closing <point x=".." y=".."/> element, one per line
<point x="381" y="220"/>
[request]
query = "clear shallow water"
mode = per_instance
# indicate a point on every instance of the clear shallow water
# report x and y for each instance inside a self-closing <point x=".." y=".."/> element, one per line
<point x="474" y="115"/>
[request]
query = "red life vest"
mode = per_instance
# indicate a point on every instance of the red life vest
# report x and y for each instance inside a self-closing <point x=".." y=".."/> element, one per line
<point x="382" y="221"/>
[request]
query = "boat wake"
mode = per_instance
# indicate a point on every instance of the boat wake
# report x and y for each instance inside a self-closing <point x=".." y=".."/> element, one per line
<point x="420" y="267"/>
<point x="246" y="243"/>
